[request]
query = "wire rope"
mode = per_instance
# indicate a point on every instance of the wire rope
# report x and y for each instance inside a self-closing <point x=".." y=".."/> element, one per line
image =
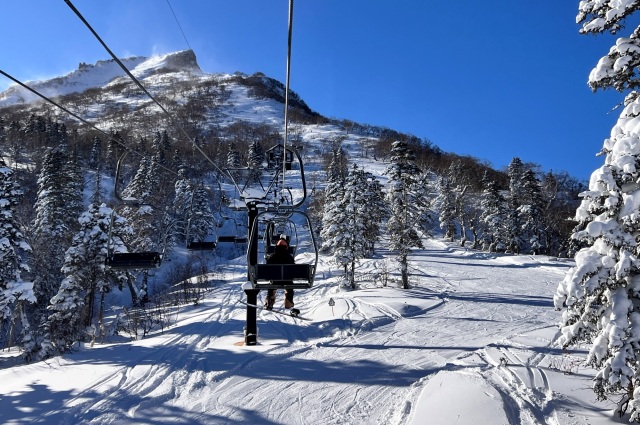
<point x="179" y="26"/>
<point x="286" y="95"/>
<point x="135" y="80"/>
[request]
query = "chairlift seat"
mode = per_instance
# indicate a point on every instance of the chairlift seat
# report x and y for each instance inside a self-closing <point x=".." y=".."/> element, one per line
<point x="134" y="260"/>
<point x="201" y="246"/>
<point x="282" y="276"/>
<point x="270" y="249"/>
<point x="231" y="239"/>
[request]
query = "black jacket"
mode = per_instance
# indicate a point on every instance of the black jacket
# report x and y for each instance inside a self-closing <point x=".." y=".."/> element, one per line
<point x="280" y="256"/>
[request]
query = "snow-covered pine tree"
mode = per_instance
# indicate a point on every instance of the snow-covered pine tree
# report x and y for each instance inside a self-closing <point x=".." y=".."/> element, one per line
<point x="377" y="209"/>
<point x="111" y="156"/>
<point x="57" y="208"/>
<point x="558" y="194"/>
<point x="492" y="216"/>
<point x="513" y="223"/>
<point x="233" y="158"/>
<point x="3" y="134"/>
<point x="79" y="303"/>
<point x="446" y="201"/>
<point x="531" y="212"/>
<point x="96" y="194"/>
<point x="181" y="201"/>
<point x="14" y="290"/>
<point x="404" y="205"/>
<point x="256" y="155"/>
<point x="349" y="236"/>
<point x="466" y="212"/>
<point x="201" y="209"/>
<point x="143" y="218"/>
<point x="333" y="194"/>
<point x="600" y="295"/>
<point x="161" y="147"/>
<point x="95" y="157"/>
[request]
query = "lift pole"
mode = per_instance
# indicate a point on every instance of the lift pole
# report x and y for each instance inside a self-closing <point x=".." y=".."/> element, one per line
<point x="251" y="327"/>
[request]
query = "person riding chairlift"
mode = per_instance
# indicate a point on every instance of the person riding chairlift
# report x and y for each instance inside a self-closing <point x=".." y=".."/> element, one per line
<point x="281" y="255"/>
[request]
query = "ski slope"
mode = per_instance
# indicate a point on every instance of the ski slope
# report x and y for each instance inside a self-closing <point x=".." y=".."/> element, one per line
<point x="470" y="343"/>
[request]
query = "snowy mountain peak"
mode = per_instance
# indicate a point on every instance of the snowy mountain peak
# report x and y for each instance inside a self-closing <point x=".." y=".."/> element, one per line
<point x="181" y="61"/>
<point x="89" y="76"/>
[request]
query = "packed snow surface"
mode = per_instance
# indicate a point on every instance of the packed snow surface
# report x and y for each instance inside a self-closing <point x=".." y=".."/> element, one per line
<point x="471" y="343"/>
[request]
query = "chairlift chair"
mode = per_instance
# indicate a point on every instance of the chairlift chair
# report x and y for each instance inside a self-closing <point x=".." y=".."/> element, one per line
<point x="237" y="237"/>
<point x="198" y="245"/>
<point x="130" y="260"/>
<point x="282" y="276"/>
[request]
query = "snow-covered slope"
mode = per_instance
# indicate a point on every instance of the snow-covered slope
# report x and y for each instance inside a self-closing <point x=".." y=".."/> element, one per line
<point x="99" y="75"/>
<point x="470" y="343"/>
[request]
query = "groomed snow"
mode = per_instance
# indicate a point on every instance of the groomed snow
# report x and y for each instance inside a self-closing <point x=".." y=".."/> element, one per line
<point x="469" y="343"/>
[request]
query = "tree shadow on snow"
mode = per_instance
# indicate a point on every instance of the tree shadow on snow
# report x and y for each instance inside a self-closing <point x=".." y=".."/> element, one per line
<point x="39" y="404"/>
<point x="517" y="299"/>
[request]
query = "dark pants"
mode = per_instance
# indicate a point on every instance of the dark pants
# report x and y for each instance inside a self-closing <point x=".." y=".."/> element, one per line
<point x="288" y="294"/>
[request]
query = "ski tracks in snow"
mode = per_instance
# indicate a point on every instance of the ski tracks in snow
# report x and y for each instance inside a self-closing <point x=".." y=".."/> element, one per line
<point x="149" y="381"/>
<point x="523" y="385"/>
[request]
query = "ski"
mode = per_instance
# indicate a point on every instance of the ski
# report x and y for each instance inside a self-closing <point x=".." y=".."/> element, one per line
<point x="291" y="314"/>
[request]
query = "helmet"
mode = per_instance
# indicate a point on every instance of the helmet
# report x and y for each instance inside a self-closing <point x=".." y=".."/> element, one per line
<point x="282" y="242"/>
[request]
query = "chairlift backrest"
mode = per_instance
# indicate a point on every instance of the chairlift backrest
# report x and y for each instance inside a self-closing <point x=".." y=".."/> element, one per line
<point x="134" y="260"/>
<point x="201" y="245"/>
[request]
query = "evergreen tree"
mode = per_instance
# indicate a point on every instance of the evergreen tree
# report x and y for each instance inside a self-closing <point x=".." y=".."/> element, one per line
<point x="58" y="205"/>
<point x="202" y="220"/>
<point x="404" y="205"/>
<point x="600" y="296"/>
<point x="181" y="204"/>
<point x="492" y="216"/>
<point x="14" y="290"/>
<point x="143" y="218"/>
<point x="86" y="281"/>
<point x="332" y="209"/>
<point x="464" y="211"/>
<point x="233" y="158"/>
<point x="446" y="200"/>
<point x="256" y="155"/>
<point x="531" y="212"/>
<point x="161" y="147"/>
<point x="378" y="212"/>
<point x="3" y="134"/>
<point x="348" y="231"/>
<point x="111" y="156"/>
<point x="513" y="224"/>
<point x="192" y="207"/>
<point x="96" y="153"/>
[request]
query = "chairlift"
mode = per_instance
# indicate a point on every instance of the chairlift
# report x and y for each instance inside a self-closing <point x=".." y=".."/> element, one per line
<point x="235" y="237"/>
<point x="282" y="276"/>
<point x="130" y="260"/>
<point x="198" y="245"/>
<point x="195" y="245"/>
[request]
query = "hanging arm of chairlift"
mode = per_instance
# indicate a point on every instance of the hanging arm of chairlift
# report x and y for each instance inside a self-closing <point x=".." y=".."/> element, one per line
<point x="130" y="260"/>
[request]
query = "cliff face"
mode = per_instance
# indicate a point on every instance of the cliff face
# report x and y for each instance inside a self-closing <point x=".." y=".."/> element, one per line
<point x="89" y="76"/>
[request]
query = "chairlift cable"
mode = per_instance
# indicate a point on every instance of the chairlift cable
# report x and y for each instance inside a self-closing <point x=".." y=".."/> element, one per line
<point x="286" y="95"/>
<point x="179" y="26"/>
<point x="109" y="136"/>
<point x="135" y="80"/>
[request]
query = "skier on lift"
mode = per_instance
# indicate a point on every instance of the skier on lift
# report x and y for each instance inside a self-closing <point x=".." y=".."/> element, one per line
<point x="280" y="256"/>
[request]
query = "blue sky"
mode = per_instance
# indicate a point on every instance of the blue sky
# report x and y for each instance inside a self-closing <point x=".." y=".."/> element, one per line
<point x="492" y="79"/>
